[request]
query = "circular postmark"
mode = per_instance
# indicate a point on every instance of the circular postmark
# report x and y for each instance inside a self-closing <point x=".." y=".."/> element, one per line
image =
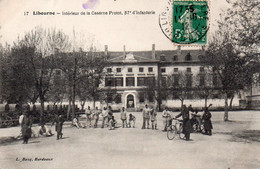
<point x="185" y="22"/>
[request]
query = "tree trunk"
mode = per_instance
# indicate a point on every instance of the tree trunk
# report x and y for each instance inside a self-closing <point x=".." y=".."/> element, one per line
<point x="69" y="107"/>
<point x="231" y="101"/>
<point x="206" y="101"/>
<point x="182" y="100"/>
<point x="42" y="109"/>
<point x="94" y="103"/>
<point x="226" y="108"/>
<point x="82" y="104"/>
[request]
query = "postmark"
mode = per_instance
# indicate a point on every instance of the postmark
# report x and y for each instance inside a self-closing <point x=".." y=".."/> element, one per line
<point x="185" y="22"/>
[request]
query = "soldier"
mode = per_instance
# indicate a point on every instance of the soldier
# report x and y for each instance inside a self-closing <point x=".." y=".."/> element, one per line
<point x="112" y="123"/>
<point x="88" y="115"/>
<point x="187" y="129"/>
<point x="146" y="117"/>
<point x="166" y="115"/>
<point x="26" y="125"/>
<point x="207" y="122"/>
<point x="58" y="119"/>
<point x="131" y="120"/>
<point x="123" y="117"/>
<point x="104" y="115"/>
<point x="96" y="117"/>
<point x="154" y="119"/>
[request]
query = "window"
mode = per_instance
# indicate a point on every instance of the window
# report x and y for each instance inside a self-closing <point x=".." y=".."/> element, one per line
<point x="163" y="70"/>
<point x="141" y="81"/>
<point x="150" y="81"/>
<point x="201" y="69"/>
<point x="118" y="98"/>
<point x="141" y="97"/>
<point x="150" y="69"/>
<point x="202" y="80"/>
<point x="215" y="79"/>
<point x="163" y="81"/>
<point x="175" y="58"/>
<point x="150" y="97"/>
<point x="130" y="69"/>
<point x="189" y="80"/>
<point x="162" y="58"/>
<point x="130" y="81"/>
<point x="109" y="70"/>
<point x="141" y="69"/>
<point x="109" y="98"/>
<point x="188" y="57"/>
<point x="109" y="81"/>
<point x="188" y="69"/>
<point x="118" y="70"/>
<point x="176" y="80"/>
<point x="119" y="81"/>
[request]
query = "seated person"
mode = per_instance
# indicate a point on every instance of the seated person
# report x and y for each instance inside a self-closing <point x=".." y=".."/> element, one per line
<point x="131" y="120"/>
<point x="112" y="123"/>
<point x="44" y="130"/>
<point x="75" y="122"/>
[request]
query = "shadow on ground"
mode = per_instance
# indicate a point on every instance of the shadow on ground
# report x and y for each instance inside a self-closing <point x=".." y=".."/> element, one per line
<point x="247" y="135"/>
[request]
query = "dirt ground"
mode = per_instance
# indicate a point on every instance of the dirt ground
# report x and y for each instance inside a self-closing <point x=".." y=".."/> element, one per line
<point x="234" y="144"/>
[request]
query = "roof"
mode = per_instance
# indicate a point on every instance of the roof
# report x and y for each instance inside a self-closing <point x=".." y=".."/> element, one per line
<point x="146" y="56"/>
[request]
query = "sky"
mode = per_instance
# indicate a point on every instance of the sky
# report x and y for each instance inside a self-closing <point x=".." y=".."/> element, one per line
<point x="136" y="32"/>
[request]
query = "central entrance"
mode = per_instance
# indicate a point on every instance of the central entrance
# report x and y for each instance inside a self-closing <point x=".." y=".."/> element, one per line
<point x="130" y="101"/>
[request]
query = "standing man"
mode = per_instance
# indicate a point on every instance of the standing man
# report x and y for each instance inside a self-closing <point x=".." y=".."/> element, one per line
<point x="123" y="117"/>
<point x="146" y="117"/>
<point x="96" y="117"/>
<point x="26" y="125"/>
<point x="154" y="119"/>
<point x="88" y="115"/>
<point x="104" y="115"/>
<point x="58" y="119"/>
<point x="207" y="122"/>
<point x="166" y="116"/>
<point x="187" y="129"/>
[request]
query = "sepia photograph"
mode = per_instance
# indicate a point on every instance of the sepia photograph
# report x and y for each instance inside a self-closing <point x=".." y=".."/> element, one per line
<point x="129" y="84"/>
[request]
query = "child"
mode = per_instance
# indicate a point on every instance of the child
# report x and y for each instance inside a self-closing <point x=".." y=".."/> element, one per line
<point x="131" y="121"/>
<point x="154" y="119"/>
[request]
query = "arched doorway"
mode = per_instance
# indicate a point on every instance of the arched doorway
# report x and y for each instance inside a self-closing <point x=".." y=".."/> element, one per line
<point x="130" y="101"/>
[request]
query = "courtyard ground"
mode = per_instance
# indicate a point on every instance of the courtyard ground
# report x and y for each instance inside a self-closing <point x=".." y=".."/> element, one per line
<point x="234" y="144"/>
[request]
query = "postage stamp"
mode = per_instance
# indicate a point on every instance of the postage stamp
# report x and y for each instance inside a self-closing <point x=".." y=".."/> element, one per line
<point x="186" y="21"/>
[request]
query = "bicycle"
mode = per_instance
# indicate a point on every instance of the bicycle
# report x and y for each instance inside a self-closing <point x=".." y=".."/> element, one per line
<point x="175" y="128"/>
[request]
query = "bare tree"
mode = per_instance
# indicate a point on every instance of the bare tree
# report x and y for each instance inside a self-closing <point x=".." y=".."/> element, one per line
<point x="45" y="42"/>
<point x="180" y="85"/>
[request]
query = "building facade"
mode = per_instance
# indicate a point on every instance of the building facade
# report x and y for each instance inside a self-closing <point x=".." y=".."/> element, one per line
<point x="139" y="76"/>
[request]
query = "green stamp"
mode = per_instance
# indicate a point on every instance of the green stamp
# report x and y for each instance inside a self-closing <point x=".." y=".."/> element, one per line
<point x="190" y="22"/>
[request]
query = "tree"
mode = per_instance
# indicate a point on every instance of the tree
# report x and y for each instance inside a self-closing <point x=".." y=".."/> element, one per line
<point x="233" y="50"/>
<point x="180" y="85"/>
<point x="17" y="82"/>
<point x="204" y="85"/>
<point x="45" y="43"/>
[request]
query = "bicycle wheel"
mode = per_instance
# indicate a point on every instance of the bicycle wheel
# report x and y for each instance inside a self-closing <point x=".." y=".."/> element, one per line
<point x="171" y="132"/>
<point x="181" y="134"/>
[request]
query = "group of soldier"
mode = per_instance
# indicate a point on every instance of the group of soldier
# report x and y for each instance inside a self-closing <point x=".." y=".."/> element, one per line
<point x="92" y="118"/>
<point x="108" y="120"/>
<point x="188" y="121"/>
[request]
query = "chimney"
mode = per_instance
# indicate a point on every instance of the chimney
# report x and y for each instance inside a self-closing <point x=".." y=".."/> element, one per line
<point x="153" y="51"/>
<point x="106" y="50"/>
<point x="179" y="50"/>
<point x="124" y="51"/>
